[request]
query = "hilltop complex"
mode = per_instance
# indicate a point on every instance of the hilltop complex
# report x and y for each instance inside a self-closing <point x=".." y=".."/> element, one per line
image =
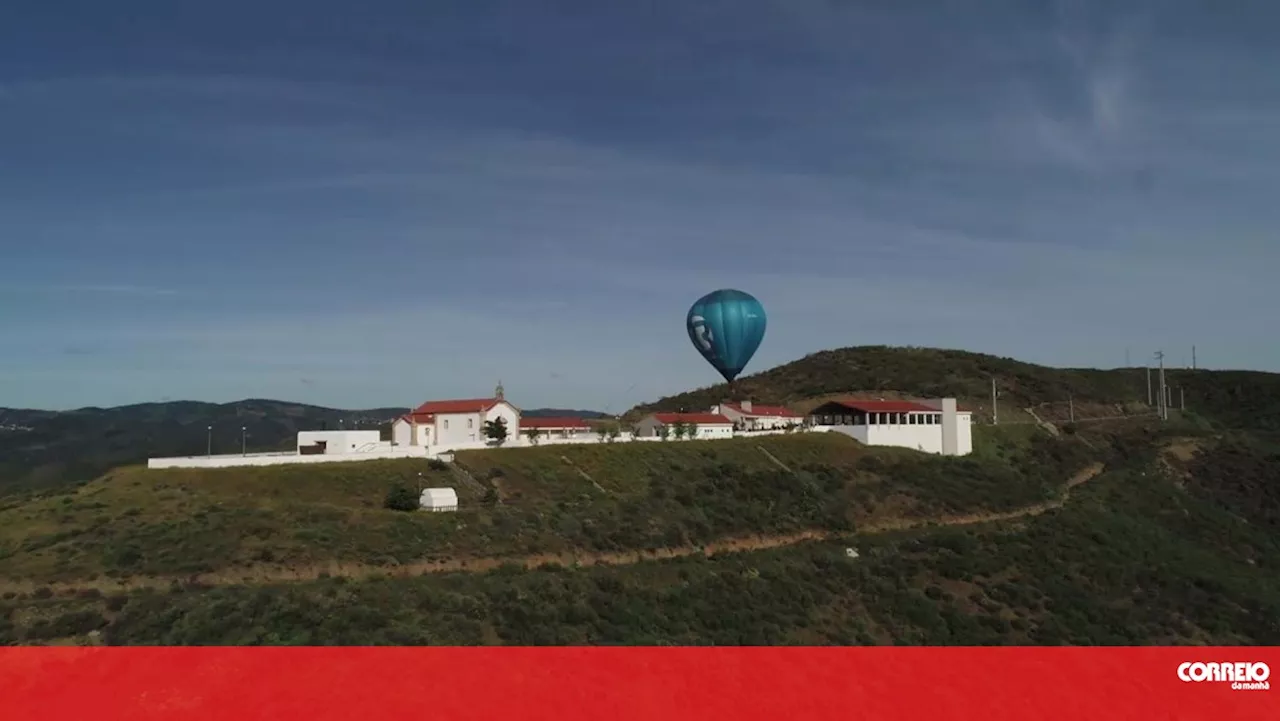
<point x="438" y="428"/>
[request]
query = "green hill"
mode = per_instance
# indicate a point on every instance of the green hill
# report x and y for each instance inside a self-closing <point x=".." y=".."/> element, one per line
<point x="289" y="521"/>
<point x="1119" y="531"/>
<point x="1235" y="399"/>
<point x="1175" y="542"/>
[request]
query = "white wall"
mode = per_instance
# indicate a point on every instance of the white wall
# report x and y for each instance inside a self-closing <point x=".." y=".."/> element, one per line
<point x="454" y="428"/>
<point x="280" y="459"/>
<point x="773" y="422"/>
<point x="964" y="433"/>
<point x="950" y="432"/>
<point x="339" y="441"/>
<point x="508" y="413"/>
<point x="469" y="427"/>
<point x="559" y="434"/>
<point x="647" y="427"/>
<point x="384" y="450"/>
<point x="714" y="430"/>
<point x="402" y="432"/>
<point x="927" y="438"/>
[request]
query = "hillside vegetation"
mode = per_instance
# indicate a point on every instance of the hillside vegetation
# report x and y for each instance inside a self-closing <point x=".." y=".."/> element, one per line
<point x="1233" y="399"/>
<point x="286" y="521"/>
<point x="1158" y="549"/>
<point x="1126" y="530"/>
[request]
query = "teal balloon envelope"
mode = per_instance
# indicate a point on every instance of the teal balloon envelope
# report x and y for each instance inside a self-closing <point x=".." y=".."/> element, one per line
<point x="726" y="327"/>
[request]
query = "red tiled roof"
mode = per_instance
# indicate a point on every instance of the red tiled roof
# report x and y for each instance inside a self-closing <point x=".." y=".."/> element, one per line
<point x="757" y="410"/>
<point x="890" y="406"/>
<point x="697" y="418"/>
<point x="885" y="406"/>
<point x="419" y="418"/>
<point x="473" y="405"/>
<point x="554" y="423"/>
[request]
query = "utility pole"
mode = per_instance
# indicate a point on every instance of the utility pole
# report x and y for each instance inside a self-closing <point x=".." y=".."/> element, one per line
<point x="1126" y="358"/>
<point x="995" y="409"/>
<point x="1164" y="407"/>
<point x="1182" y="398"/>
<point x="1071" y="408"/>
<point x="1193" y="357"/>
<point x="1148" y="385"/>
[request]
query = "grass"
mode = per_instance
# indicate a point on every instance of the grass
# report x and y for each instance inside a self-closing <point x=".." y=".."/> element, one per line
<point x="1140" y="556"/>
<point x="554" y="500"/>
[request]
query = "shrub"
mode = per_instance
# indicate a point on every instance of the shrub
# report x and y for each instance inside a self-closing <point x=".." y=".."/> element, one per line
<point x="401" y="498"/>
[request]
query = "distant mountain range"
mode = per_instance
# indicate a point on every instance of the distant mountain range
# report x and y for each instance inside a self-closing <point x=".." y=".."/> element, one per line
<point x="44" y="449"/>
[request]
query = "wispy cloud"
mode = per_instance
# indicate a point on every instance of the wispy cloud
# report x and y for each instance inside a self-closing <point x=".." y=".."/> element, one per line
<point x="94" y="289"/>
<point x="460" y="203"/>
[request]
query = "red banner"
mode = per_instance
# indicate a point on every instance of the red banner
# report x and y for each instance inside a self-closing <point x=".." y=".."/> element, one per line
<point x="654" y="684"/>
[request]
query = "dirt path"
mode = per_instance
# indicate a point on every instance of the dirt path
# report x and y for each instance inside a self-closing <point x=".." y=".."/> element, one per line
<point x="968" y="519"/>
<point x="357" y="571"/>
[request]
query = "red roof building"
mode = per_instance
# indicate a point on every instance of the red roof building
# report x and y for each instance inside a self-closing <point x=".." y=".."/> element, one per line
<point x="751" y="410"/>
<point x="880" y="406"/>
<point x="555" y="424"/>
<point x="701" y="419"/>
<point x="706" y="425"/>
<point x="473" y="405"/>
<point x="455" y="422"/>
<point x="855" y="404"/>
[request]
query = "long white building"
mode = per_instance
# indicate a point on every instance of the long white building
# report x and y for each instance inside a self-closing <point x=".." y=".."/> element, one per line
<point x="932" y="426"/>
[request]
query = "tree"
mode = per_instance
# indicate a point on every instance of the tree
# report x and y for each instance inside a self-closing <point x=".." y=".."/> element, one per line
<point x="602" y="431"/>
<point x="664" y="432"/>
<point x="678" y="429"/>
<point x="533" y="434"/>
<point x="401" y="498"/>
<point x="691" y="430"/>
<point x="496" y="430"/>
<point x="614" y="432"/>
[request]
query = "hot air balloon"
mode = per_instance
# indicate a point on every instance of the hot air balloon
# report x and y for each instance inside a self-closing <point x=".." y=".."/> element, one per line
<point x="726" y="326"/>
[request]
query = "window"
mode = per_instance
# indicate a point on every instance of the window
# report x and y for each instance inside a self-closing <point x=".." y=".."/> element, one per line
<point x="937" y="419"/>
<point x="911" y="419"/>
<point x="471" y="423"/>
<point x="446" y="425"/>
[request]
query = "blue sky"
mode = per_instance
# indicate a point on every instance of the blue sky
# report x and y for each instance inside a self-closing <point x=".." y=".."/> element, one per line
<point x="380" y="203"/>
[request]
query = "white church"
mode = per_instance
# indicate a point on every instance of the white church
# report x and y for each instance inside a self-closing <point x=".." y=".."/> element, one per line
<point x="455" y="423"/>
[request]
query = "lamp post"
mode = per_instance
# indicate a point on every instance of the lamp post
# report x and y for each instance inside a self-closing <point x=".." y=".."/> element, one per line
<point x="209" y="452"/>
<point x="243" y="448"/>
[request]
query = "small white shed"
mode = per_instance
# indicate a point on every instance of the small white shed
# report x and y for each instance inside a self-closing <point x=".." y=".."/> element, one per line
<point x="438" y="499"/>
